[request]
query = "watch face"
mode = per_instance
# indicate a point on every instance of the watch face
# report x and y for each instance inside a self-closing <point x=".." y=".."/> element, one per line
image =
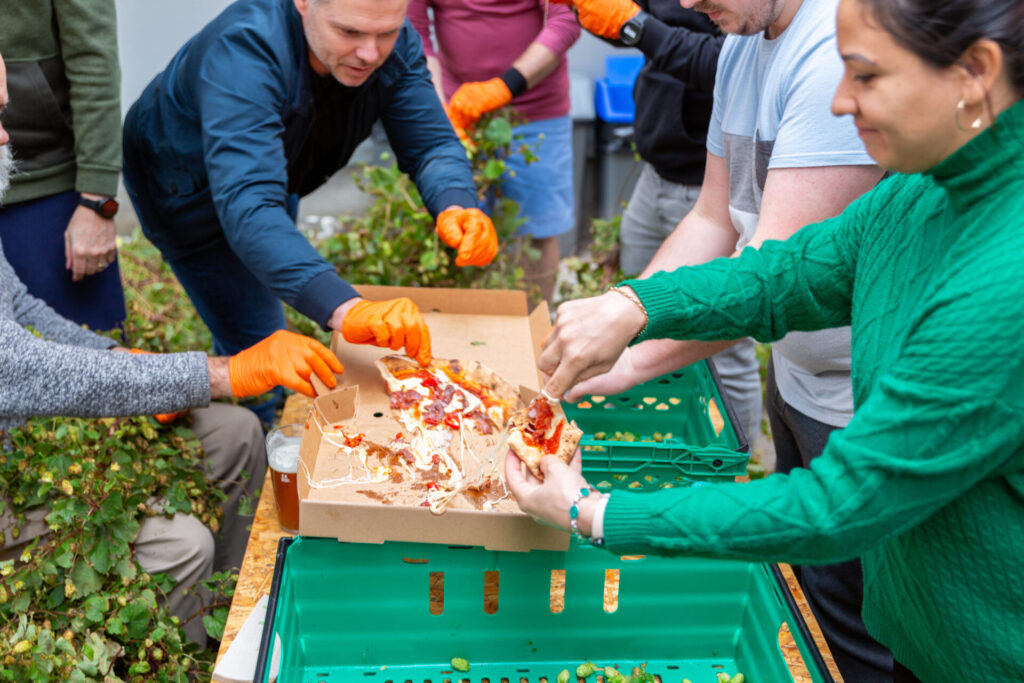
<point x="109" y="207"/>
<point x="629" y="33"/>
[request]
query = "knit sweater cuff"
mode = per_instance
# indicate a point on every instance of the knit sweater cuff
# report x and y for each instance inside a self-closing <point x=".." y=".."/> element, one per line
<point x="660" y="304"/>
<point x="627" y="521"/>
<point x="96" y="181"/>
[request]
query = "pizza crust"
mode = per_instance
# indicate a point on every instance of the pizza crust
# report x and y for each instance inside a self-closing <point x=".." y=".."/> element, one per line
<point x="532" y="455"/>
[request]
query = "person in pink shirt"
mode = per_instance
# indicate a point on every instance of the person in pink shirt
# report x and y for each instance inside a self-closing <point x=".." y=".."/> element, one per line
<point x="492" y="53"/>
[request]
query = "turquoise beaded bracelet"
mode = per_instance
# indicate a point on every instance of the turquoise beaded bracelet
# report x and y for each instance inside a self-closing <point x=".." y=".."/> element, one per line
<point x="574" y="513"/>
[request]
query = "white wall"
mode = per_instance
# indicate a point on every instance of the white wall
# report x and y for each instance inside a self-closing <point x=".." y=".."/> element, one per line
<point x="151" y="31"/>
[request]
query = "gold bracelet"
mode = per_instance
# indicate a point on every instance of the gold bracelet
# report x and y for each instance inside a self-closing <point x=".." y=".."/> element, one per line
<point x="631" y="295"/>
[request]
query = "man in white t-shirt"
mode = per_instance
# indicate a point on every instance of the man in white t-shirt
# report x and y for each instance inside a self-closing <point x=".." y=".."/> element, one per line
<point x="777" y="160"/>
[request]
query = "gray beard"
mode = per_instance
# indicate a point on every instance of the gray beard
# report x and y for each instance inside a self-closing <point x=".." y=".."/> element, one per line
<point x="6" y="169"/>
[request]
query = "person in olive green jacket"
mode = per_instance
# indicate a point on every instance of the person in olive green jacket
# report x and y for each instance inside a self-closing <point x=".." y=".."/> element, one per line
<point x="57" y="225"/>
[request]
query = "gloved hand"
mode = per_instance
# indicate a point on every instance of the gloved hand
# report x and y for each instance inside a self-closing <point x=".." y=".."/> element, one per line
<point x="473" y="100"/>
<point x="471" y="232"/>
<point x="603" y="17"/>
<point x="162" y="418"/>
<point x="459" y="131"/>
<point x="393" y="324"/>
<point x="286" y="359"/>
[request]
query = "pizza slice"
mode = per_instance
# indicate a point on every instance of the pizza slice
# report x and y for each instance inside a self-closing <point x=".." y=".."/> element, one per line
<point x="453" y="413"/>
<point x="539" y="431"/>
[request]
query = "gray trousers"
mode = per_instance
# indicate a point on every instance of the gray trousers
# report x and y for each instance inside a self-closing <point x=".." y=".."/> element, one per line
<point x="654" y="210"/>
<point x="182" y="546"/>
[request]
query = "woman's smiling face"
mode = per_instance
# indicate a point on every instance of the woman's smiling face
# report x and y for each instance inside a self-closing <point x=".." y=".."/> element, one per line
<point x="905" y="110"/>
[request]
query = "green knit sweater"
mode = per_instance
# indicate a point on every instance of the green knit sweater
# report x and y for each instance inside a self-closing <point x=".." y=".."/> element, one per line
<point x="926" y="484"/>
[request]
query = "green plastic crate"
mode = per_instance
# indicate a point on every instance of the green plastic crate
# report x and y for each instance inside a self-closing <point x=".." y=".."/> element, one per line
<point x="360" y="613"/>
<point x="677" y="403"/>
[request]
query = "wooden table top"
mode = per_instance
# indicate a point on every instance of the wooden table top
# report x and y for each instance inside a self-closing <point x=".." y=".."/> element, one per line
<point x="258" y="568"/>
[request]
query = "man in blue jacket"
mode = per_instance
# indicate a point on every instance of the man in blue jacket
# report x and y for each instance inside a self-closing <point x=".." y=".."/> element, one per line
<point x="260" y="108"/>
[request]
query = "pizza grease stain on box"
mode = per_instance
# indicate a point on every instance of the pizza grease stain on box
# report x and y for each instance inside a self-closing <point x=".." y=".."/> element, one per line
<point x="458" y="321"/>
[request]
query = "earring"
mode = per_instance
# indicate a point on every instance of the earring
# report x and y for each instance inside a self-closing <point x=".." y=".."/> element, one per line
<point x="961" y="106"/>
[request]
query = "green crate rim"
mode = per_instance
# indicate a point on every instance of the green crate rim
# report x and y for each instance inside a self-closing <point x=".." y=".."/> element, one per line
<point x="668" y="454"/>
<point x="802" y="637"/>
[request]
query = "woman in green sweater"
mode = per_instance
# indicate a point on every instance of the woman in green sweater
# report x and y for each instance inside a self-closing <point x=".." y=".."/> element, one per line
<point x="926" y="484"/>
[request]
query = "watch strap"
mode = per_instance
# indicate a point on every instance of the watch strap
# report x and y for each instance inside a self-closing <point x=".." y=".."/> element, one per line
<point x="633" y="30"/>
<point x="105" y="206"/>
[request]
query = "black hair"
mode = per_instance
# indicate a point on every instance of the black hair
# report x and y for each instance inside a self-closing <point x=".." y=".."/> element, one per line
<point x="940" y="31"/>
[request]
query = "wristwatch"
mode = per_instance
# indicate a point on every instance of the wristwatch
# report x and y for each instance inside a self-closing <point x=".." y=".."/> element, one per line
<point x="104" y="206"/>
<point x="633" y="30"/>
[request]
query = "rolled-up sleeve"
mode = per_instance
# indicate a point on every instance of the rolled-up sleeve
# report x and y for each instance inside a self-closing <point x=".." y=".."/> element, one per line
<point x="560" y="30"/>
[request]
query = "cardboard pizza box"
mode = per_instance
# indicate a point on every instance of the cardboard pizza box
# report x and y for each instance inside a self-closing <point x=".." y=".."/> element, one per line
<point x="489" y="326"/>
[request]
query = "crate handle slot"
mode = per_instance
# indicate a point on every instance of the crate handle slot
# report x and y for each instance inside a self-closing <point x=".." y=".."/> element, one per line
<point x="415" y="560"/>
<point x="490" y="592"/>
<point x="435" y="593"/>
<point x="611" y="590"/>
<point x="556" y="601"/>
<point x="787" y="645"/>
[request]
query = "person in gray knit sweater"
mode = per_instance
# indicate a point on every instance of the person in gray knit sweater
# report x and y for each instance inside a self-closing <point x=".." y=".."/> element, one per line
<point x="69" y="371"/>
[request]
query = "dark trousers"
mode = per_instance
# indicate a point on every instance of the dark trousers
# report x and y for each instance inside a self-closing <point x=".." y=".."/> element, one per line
<point x="901" y="674"/>
<point x="834" y="592"/>
<point x="32" y="233"/>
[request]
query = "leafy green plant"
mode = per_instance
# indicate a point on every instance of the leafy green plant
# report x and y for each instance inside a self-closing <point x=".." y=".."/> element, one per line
<point x="593" y="273"/>
<point x="160" y="316"/>
<point x="394" y="242"/>
<point x="76" y="605"/>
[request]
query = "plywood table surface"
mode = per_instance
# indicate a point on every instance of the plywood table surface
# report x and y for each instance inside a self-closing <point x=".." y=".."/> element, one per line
<point x="258" y="567"/>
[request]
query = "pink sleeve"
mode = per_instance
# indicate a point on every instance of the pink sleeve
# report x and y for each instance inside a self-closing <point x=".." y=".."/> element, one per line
<point x="417" y="13"/>
<point x="560" y="31"/>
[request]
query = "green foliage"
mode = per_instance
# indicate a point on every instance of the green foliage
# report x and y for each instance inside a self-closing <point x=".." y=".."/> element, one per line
<point x="395" y="243"/>
<point x="76" y="605"/>
<point x="160" y="315"/>
<point x="592" y="274"/>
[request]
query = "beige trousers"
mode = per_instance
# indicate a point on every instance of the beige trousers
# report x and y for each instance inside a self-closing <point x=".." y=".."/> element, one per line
<point x="182" y="546"/>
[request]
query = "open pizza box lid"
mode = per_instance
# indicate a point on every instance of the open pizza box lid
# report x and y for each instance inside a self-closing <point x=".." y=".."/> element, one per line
<point x="492" y="327"/>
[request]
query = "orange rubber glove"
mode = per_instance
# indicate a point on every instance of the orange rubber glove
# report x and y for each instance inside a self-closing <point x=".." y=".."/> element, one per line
<point x="471" y="232"/>
<point x="459" y="131"/>
<point x="162" y="418"/>
<point x="282" y="359"/>
<point x="603" y="17"/>
<point x="393" y="324"/>
<point x="473" y="100"/>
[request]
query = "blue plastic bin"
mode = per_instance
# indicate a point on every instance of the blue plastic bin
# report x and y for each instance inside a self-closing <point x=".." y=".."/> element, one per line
<point x="613" y="94"/>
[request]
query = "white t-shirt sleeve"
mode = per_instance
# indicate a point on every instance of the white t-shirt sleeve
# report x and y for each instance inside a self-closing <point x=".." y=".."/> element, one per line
<point x="714" y="138"/>
<point x="809" y="135"/>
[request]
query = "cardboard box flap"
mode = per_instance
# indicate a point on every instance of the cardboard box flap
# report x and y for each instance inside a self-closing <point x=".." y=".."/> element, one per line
<point x="451" y="300"/>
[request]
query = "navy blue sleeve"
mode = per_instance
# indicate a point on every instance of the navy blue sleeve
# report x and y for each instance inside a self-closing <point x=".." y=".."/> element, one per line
<point x="241" y="91"/>
<point x="687" y="56"/>
<point x="421" y="136"/>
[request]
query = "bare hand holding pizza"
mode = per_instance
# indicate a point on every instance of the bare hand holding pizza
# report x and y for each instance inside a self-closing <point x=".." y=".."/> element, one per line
<point x="588" y="336"/>
<point x="548" y="500"/>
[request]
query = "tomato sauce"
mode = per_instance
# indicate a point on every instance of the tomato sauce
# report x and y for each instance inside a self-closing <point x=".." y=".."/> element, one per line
<point x="539" y="418"/>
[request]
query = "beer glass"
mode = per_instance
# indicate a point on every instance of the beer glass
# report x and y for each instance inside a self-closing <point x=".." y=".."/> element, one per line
<point x="283" y="458"/>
